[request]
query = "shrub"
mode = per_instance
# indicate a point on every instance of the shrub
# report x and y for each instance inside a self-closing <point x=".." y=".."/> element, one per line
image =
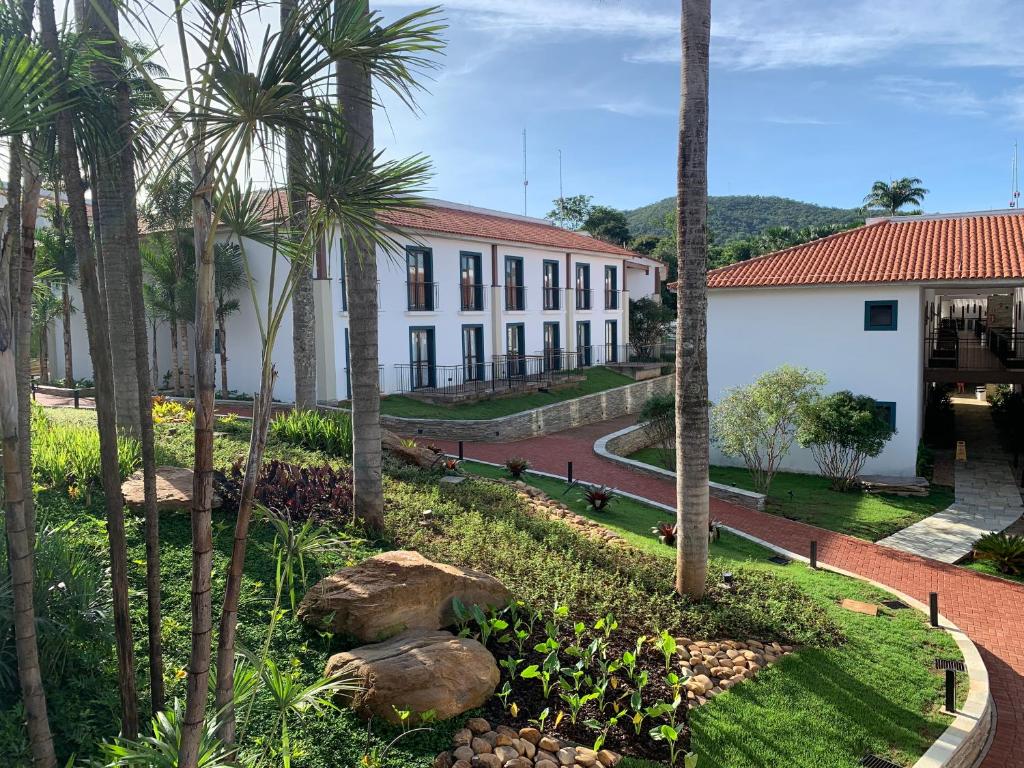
<point x="68" y="455"/>
<point x="925" y="465"/>
<point x="516" y="465"/>
<point x="598" y="497"/>
<point x="843" y="431"/>
<point x="171" y="412"/>
<point x="758" y="422"/>
<point x="1005" y="551"/>
<point x="326" y="431"/>
<point x="666" y="533"/>
<point x="321" y="494"/>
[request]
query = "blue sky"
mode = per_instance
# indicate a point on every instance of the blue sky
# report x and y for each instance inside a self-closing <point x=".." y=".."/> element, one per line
<point x="810" y="99"/>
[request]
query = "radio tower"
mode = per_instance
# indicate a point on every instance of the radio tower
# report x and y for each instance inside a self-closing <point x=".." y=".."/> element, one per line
<point x="525" y="180"/>
<point x="1014" y="183"/>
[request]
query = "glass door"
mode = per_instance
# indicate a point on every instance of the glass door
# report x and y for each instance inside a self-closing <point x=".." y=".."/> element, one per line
<point x="611" y="341"/>
<point x="515" y="341"/>
<point x="471" y="285"/>
<point x="473" y="352"/>
<point x="552" y="342"/>
<point x="583" y="342"/>
<point x="421" y="350"/>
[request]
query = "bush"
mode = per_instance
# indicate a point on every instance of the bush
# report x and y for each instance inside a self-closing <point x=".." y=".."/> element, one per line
<point x="68" y="455"/>
<point x="322" y="494"/>
<point x="925" y="466"/>
<point x="1005" y="552"/>
<point x="598" y="497"/>
<point x="171" y="412"/>
<point x="326" y="431"/>
<point x="843" y="431"/>
<point x="659" y="414"/>
<point x="516" y="466"/>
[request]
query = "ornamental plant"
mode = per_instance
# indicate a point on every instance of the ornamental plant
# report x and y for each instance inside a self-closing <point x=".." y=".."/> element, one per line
<point x="843" y="431"/>
<point x="598" y="498"/>
<point x="516" y="466"/>
<point x="1005" y="551"/>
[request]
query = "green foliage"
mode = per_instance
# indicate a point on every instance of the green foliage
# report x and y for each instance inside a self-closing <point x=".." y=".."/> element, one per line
<point x="659" y="406"/>
<point x="891" y="196"/>
<point x="758" y="422"/>
<point x="1005" y="551"/>
<point x="843" y="431"/>
<point x="570" y="212"/>
<point x="68" y="455"/>
<point x="327" y="431"/>
<point x="648" y="322"/>
<point x="516" y="466"/>
<point x="939" y="429"/>
<point x="608" y="224"/>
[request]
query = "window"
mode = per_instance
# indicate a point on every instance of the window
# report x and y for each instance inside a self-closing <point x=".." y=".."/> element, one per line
<point x="342" y="283"/>
<point x="552" y="295"/>
<point x="473" y="352"/>
<point x="583" y="342"/>
<point x="886" y="412"/>
<point x="421" y="357"/>
<point x="611" y="341"/>
<point x="515" y="346"/>
<point x="471" y="284"/>
<point x="420" y="279"/>
<point x="611" y="288"/>
<point x="515" y="292"/>
<point x="582" y="286"/>
<point x="552" y="344"/>
<point x="880" y="315"/>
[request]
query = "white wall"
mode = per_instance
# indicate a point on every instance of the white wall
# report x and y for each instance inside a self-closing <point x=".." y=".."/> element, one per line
<point x="751" y="331"/>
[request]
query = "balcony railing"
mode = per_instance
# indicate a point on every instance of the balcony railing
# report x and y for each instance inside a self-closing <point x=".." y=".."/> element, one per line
<point x="422" y="296"/>
<point x="625" y="354"/>
<point x="584" y="298"/>
<point x="502" y="372"/>
<point x="472" y="296"/>
<point x="552" y="297"/>
<point x="985" y="349"/>
<point x="515" y="298"/>
<point x="611" y="298"/>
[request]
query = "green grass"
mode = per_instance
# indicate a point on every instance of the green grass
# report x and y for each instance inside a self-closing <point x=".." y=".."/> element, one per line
<point x="809" y="499"/>
<point x="981" y="566"/>
<point x="597" y="380"/>
<point x="822" y="707"/>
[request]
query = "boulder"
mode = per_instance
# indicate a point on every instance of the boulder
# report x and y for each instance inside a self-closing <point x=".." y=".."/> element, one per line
<point x="395" y="591"/>
<point x="419" y="671"/>
<point x="173" y="489"/>
<point x="410" y="453"/>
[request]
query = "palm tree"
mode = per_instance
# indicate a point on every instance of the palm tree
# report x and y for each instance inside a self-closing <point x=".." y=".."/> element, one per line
<point x="46" y="307"/>
<point x="55" y="250"/>
<point x="229" y="278"/>
<point x="27" y="87"/>
<point x="692" y="504"/>
<point x="893" y="196"/>
<point x="170" y="298"/>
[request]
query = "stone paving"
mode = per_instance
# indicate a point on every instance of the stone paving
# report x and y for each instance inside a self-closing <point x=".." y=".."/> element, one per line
<point x="987" y="498"/>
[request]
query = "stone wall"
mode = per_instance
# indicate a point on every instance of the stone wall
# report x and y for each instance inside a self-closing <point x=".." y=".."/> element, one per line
<point x="556" y="417"/>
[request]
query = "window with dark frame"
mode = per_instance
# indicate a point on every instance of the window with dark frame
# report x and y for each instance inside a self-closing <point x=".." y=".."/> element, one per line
<point x="420" y="279"/>
<point x="515" y="290"/>
<point x="880" y="315"/>
<point x="551" y="288"/>
<point x="611" y="288"/>
<point x="886" y="411"/>
<point x="583" y="286"/>
<point x="471" y="287"/>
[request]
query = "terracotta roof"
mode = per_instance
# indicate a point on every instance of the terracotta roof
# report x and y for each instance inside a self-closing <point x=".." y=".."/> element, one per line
<point x="982" y="246"/>
<point x="486" y="225"/>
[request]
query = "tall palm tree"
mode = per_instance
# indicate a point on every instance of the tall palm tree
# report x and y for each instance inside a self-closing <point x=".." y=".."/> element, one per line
<point x="896" y="194"/>
<point x="691" y="373"/>
<point x="55" y="250"/>
<point x="46" y="307"/>
<point x="229" y="278"/>
<point x="27" y="87"/>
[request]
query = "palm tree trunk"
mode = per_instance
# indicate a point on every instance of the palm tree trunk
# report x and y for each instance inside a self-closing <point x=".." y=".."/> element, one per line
<point x="186" y="366"/>
<point x="20" y="538"/>
<point x="691" y="371"/>
<point x="355" y="96"/>
<point x="69" y="363"/>
<point x="96" y="326"/>
<point x="31" y="189"/>
<point x="222" y="327"/>
<point x="155" y="368"/>
<point x="44" y="355"/>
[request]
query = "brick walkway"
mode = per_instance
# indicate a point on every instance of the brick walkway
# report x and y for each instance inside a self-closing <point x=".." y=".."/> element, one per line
<point x="990" y="610"/>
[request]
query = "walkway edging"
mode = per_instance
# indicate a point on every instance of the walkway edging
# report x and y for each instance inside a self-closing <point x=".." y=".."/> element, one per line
<point x="604" y="446"/>
<point x="966" y="740"/>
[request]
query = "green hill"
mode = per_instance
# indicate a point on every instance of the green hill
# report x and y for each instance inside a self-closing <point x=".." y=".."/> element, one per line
<point x="736" y="216"/>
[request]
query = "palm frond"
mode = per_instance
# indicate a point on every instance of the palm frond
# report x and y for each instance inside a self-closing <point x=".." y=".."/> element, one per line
<point x="28" y="87"/>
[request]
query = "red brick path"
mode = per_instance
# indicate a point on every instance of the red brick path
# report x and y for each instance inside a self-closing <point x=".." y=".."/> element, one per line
<point x="990" y="610"/>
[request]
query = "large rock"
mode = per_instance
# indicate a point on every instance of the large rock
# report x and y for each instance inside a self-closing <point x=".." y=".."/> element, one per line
<point x="173" y="489"/>
<point x="394" y="591"/>
<point x="418" y="671"/>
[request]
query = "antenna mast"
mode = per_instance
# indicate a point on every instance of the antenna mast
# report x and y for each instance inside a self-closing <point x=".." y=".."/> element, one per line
<point x="561" y="194"/>
<point x="1014" y="183"/>
<point x="526" y="181"/>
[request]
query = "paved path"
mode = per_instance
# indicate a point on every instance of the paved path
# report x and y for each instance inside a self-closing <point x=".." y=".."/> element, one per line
<point x="990" y="610"/>
<point x="987" y="498"/>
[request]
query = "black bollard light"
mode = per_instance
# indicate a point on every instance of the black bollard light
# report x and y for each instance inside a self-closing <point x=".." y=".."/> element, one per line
<point x="814" y="555"/>
<point x="933" y="608"/>
<point x="568" y="473"/>
<point x="76" y="398"/>
<point x="950" y="690"/>
<point x="462" y="453"/>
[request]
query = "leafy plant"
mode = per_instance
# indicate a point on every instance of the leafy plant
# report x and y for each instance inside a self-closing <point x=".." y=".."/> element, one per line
<point x="1005" y="551"/>
<point x="667" y="645"/>
<point x="320" y="493"/>
<point x="547" y="672"/>
<point x="516" y="466"/>
<point x="326" y="431"/>
<point x="576" y="702"/>
<point x="68" y="455"/>
<point x="487" y="625"/>
<point x="598" y="497"/>
<point x="666" y="533"/>
<point x="171" y="412"/>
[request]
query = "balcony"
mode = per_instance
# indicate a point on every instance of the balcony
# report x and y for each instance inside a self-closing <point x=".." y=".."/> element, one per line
<point x="992" y="355"/>
<point x="584" y="298"/>
<point x="422" y="296"/>
<point x="478" y="380"/>
<point x="552" y="297"/>
<point x="471" y="297"/>
<point x="515" y="298"/>
<point x="611" y="298"/>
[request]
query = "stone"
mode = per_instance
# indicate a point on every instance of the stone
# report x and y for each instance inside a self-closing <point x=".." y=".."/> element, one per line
<point x="567" y="756"/>
<point x="542" y="755"/>
<point x="462" y="737"/>
<point x="394" y="591"/>
<point x="585" y="757"/>
<point x="858" y="607"/>
<point x="478" y="725"/>
<point x="548" y="744"/>
<point x="418" y="671"/>
<point x="529" y="750"/>
<point x="512" y="733"/>
<point x="173" y="489"/>
<point x="490" y="737"/>
<point x="505" y="754"/>
<point x="463" y="753"/>
<point x="444" y="760"/>
<point x="504" y="740"/>
<point x="519" y="762"/>
<point x="462" y="764"/>
<point x="545" y="764"/>
<point x="481" y="746"/>
<point x="608" y="758"/>
<point x="486" y="760"/>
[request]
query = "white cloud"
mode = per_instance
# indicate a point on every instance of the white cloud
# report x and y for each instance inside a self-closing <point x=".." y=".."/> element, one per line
<point x="943" y="96"/>
<point x="796" y="120"/>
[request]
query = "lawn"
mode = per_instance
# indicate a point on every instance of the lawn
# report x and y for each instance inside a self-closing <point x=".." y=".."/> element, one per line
<point x="987" y="568"/>
<point x="822" y="707"/>
<point x="597" y="380"/>
<point x="809" y="499"/>
<point x="858" y="683"/>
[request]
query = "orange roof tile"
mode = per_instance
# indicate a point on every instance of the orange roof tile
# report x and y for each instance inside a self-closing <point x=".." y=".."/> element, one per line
<point x="983" y="246"/>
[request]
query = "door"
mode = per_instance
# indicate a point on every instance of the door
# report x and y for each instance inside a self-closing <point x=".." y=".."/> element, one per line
<point x="583" y="343"/>
<point x="552" y="344"/>
<point x="515" y="293"/>
<point x="611" y="341"/>
<point x="473" y="352"/>
<point x="551" y="285"/>
<point x="582" y="286"/>
<point x="420" y="277"/>
<point x="421" y="352"/>
<point x="471" y="282"/>
<point x="611" y="288"/>
<point x="515" y="344"/>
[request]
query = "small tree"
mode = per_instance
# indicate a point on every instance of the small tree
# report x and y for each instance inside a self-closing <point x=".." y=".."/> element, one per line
<point x="570" y="212"/>
<point x="648" y="322"/>
<point x="659" y="417"/>
<point x="758" y="422"/>
<point x="608" y="224"/>
<point x="843" y="431"/>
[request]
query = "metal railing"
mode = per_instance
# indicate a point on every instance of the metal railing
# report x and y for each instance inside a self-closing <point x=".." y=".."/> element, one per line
<point x="552" y="297"/>
<point x="611" y="298"/>
<point x="515" y="298"/>
<point x="986" y="349"/>
<point x="584" y="298"/>
<point x="502" y="372"/>
<point x="422" y="296"/>
<point x="471" y="297"/>
<point x="626" y="354"/>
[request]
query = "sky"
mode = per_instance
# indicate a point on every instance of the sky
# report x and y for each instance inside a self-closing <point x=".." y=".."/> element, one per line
<point x="810" y="99"/>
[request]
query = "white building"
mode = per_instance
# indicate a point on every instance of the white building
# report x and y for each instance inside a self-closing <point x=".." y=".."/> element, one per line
<point x="886" y="310"/>
<point x="473" y="287"/>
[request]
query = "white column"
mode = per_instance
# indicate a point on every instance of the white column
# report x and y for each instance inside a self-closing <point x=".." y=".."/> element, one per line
<point x="326" y="368"/>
